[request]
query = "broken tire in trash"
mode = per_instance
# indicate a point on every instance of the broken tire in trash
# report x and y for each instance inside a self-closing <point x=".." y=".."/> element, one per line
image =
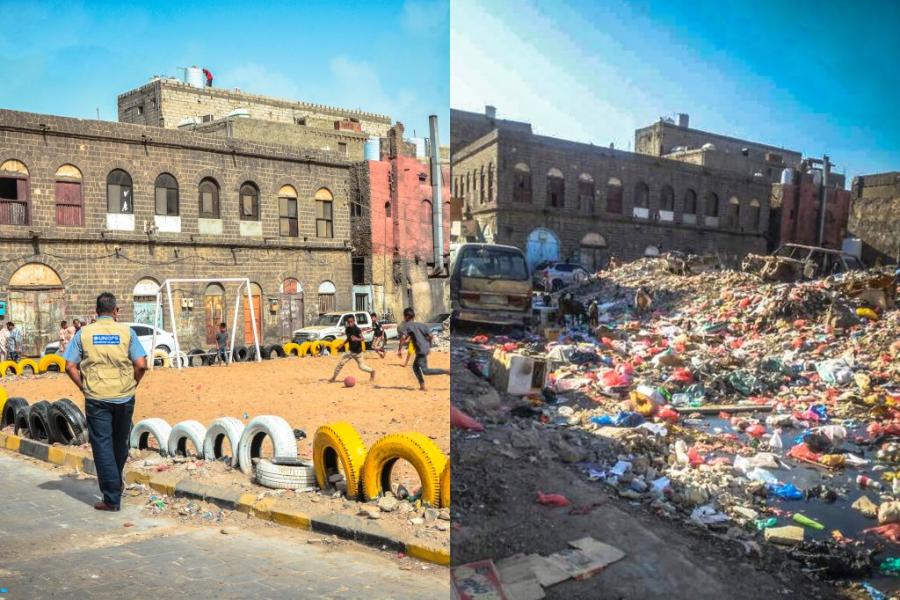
<point x="445" y="486"/>
<point x="285" y="473"/>
<point x="189" y="430"/>
<point x="422" y="453"/>
<point x="67" y="423"/>
<point x="256" y="431"/>
<point x="52" y="362"/>
<point x="339" y="445"/>
<point x="155" y="427"/>
<point x="28" y="366"/>
<point x="196" y="358"/>
<point x="221" y="429"/>
<point x="9" y="367"/>
<point x="20" y="423"/>
<point x="39" y="421"/>
<point x="12" y="405"/>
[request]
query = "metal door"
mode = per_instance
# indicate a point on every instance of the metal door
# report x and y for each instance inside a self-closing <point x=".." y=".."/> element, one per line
<point x="37" y="314"/>
<point x="214" y="311"/>
<point x="291" y="314"/>
<point x="542" y="245"/>
<point x="248" y="324"/>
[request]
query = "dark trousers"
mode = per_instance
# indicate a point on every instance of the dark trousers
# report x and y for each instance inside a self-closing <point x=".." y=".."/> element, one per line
<point x="222" y="355"/>
<point x="109" y="427"/>
<point x="420" y="368"/>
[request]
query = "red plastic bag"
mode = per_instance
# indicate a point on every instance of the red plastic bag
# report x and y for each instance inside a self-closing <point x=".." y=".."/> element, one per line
<point x="682" y="376"/>
<point x="552" y="499"/>
<point x="510" y="347"/>
<point x="480" y="339"/>
<point x="890" y="532"/>
<point x="756" y="430"/>
<point x="695" y="458"/>
<point x="802" y="452"/>
<point x="461" y="420"/>
<point x="667" y="414"/>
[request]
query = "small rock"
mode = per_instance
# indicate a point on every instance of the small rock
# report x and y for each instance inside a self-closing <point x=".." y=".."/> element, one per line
<point x="630" y="494"/>
<point x="417" y="520"/>
<point x="226" y="531"/>
<point x="191" y="467"/>
<point x="444" y="514"/>
<point x="431" y="514"/>
<point x="388" y="504"/>
<point x="788" y="535"/>
<point x="127" y="524"/>
<point x="442" y="526"/>
<point x="569" y="453"/>
<point x="336" y="478"/>
<point x="371" y="512"/>
<point x="866" y="507"/>
<point x="405" y="507"/>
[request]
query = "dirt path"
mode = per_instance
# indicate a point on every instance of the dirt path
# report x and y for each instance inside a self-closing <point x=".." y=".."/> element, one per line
<point x="293" y="388"/>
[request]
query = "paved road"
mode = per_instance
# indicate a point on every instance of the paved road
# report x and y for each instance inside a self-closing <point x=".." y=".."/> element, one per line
<point x="54" y="545"/>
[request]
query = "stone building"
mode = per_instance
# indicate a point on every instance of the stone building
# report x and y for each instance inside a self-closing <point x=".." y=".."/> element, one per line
<point x="875" y="216"/>
<point x="393" y="234"/>
<point x="559" y="199"/>
<point x="169" y="102"/>
<point x="796" y="210"/>
<point x="87" y="206"/>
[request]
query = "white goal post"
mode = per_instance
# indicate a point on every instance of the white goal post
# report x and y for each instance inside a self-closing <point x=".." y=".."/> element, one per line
<point x="166" y="288"/>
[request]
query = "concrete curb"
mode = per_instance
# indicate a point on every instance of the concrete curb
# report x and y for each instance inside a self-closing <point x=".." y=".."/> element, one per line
<point x="269" y="509"/>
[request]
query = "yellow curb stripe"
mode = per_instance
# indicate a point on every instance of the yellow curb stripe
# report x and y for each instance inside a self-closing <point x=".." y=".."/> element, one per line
<point x="245" y="503"/>
<point x="440" y="557"/>
<point x="263" y="508"/>
<point x="3" y="437"/>
<point x="12" y="443"/>
<point x="132" y="476"/>
<point x="163" y="484"/>
<point x="74" y="460"/>
<point x="56" y="455"/>
<point x="290" y="517"/>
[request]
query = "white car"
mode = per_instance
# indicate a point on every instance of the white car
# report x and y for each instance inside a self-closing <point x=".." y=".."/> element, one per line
<point x="165" y="341"/>
<point x="561" y="275"/>
<point x="330" y="326"/>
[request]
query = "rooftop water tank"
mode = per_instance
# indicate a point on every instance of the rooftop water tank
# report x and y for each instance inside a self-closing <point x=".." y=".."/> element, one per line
<point x="708" y="146"/>
<point x="240" y="112"/>
<point x="787" y="175"/>
<point x="188" y="121"/>
<point x="194" y="76"/>
<point x="373" y="149"/>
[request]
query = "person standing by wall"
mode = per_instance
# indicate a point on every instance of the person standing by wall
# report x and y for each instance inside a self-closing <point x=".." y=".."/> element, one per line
<point x="107" y="362"/>
<point x="420" y="337"/>
<point x="65" y="334"/>
<point x="4" y="336"/>
<point x="222" y="343"/>
<point x="14" y="342"/>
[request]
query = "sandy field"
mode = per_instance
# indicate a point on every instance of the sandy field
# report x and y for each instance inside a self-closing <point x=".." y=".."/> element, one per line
<point x="293" y="388"/>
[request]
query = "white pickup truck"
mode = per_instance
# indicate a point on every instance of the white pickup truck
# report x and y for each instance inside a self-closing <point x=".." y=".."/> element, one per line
<point x="330" y="326"/>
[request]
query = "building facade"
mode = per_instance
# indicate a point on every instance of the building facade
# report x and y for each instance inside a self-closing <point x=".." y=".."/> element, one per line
<point x="91" y="206"/>
<point x="559" y="199"/>
<point x="875" y="216"/>
<point x="796" y="212"/>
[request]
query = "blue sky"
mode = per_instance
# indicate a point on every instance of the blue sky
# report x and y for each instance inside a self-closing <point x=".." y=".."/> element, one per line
<point x="70" y="58"/>
<point x="817" y="77"/>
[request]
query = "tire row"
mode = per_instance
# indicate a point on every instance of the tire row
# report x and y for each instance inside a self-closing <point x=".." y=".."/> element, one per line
<point x="49" y="422"/>
<point x="29" y="366"/>
<point x="338" y="449"/>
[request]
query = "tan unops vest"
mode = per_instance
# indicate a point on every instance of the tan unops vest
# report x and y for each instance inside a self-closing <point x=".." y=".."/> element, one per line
<point x="106" y="368"/>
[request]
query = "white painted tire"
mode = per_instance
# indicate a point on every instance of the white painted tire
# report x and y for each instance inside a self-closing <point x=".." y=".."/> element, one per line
<point x="278" y="431"/>
<point x="219" y="430"/>
<point x="300" y="476"/>
<point x="184" y="431"/>
<point x="156" y="427"/>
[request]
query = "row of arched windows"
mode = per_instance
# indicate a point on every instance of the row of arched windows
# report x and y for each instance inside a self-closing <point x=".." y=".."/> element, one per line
<point x="15" y="196"/>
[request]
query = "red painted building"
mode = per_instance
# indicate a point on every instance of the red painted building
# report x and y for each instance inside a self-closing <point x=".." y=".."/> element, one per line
<point x="796" y="213"/>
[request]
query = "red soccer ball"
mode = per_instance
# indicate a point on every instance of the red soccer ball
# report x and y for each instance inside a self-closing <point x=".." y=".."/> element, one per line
<point x="349" y="381"/>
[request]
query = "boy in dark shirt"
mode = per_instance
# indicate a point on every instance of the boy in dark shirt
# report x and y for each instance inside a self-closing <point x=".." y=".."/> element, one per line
<point x="355" y="339"/>
<point x="420" y="337"/>
<point x="222" y="342"/>
<point x="379" y="338"/>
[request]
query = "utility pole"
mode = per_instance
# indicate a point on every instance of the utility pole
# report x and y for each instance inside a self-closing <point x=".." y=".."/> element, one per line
<point x="825" y="161"/>
<point x="437" y="201"/>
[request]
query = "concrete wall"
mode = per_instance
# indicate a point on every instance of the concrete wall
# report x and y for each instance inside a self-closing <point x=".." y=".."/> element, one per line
<point x="799" y="213"/>
<point x="165" y="102"/>
<point x="875" y="216"/>
<point x="91" y="258"/>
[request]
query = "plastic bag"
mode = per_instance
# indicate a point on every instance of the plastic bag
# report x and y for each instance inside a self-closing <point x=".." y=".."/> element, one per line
<point x="835" y="372"/>
<point x="552" y="499"/>
<point x="786" y="491"/>
<point x="775" y="441"/>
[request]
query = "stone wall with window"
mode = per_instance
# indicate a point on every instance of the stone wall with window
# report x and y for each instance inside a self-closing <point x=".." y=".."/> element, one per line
<point x="88" y="196"/>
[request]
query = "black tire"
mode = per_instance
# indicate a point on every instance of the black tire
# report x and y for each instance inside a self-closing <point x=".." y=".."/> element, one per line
<point x="67" y="424"/>
<point x="251" y="353"/>
<point x="212" y="355"/>
<point x="21" y="422"/>
<point x="9" y="411"/>
<point x="277" y="350"/>
<point x="195" y="358"/>
<point x="241" y="354"/>
<point x="39" y="421"/>
<point x="266" y="352"/>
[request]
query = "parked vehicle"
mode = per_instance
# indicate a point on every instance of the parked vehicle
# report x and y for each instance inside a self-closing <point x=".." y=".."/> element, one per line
<point x="436" y="322"/>
<point x="489" y="283"/>
<point x="561" y="275"/>
<point x="793" y="262"/>
<point x="330" y="327"/>
<point x="165" y="341"/>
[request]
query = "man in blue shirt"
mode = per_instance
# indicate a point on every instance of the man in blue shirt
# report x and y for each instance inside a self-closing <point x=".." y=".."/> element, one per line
<point x="106" y="361"/>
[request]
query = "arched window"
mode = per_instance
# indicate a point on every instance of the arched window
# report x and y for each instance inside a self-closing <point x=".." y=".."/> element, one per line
<point x="166" y="195"/>
<point x="667" y="198"/>
<point x="614" y="196"/>
<point x="521" y="183"/>
<point x="144" y="299"/>
<point x="387" y="209"/>
<point x="119" y="198"/>
<point x="213" y="310"/>
<point x="755" y="213"/>
<point x="711" y="210"/>
<point x="734" y="212"/>
<point x="690" y="202"/>
<point x="209" y="198"/>
<point x="426" y="216"/>
<point x="324" y="214"/>
<point x="249" y="202"/>
<point x="327" y="293"/>
<point x="287" y="211"/>
<point x="586" y="194"/>
<point x="641" y="195"/>
<point x="14" y="208"/>
<point x="556" y="188"/>
<point x="69" y="196"/>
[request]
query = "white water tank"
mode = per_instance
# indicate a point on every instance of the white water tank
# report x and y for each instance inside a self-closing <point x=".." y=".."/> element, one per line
<point x="787" y="175"/>
<point x="240" y="112"/>
<point x="373" y="149"/>
<point x="194" y="76"/>
<point x="708" y="146"/>
<point x="189" y="122"/>
<point x="853" y="246"/>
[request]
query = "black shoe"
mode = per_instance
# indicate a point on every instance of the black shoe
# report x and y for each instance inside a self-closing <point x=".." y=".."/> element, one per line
<point x="106" y="507"/>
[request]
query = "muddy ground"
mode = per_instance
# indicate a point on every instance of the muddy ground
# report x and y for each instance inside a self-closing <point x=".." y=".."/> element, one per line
<point x="497" y="474"/>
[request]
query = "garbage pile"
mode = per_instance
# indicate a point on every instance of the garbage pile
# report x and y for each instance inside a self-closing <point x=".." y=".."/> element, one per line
<point x="762" y="412"/>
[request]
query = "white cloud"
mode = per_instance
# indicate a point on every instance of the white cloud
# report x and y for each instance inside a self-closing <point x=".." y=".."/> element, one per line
<point x="258" y="79"/>
<point x="425" y="17"/>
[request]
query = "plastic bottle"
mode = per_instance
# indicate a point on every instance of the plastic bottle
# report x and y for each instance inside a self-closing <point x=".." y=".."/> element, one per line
<point x="807" y="522"/>
<point x="865" y="482"/>
<point x="764" y="523"/>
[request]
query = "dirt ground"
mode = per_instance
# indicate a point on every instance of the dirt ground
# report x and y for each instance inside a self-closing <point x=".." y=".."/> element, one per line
<point x="293" y="388"/>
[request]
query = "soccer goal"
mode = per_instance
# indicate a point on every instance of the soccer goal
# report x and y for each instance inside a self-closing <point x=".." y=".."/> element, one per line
<point x="243" y="292"/>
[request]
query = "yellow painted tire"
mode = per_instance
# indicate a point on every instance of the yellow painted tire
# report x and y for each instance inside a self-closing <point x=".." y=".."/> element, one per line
<point x="52" y="359"/>
<point x="3" y="398"/>
<point x="314" y="348"/>
<point x="339" y="345"/>
<point x="303" y="349"/>
<point x="339" y="443"/>
<point x="423" y="454"/>
<point x="445" y="486"/>
<point x="162" y="355"/>
<point x="9" y="364"/>
<point x="292" y="349"/>
<point x="27" y="362"/>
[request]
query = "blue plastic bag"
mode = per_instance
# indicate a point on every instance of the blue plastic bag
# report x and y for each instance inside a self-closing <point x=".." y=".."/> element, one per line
<point x="786" y="492"/>
<point x="602" y="420"/>
<point x="628" y="419"/>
